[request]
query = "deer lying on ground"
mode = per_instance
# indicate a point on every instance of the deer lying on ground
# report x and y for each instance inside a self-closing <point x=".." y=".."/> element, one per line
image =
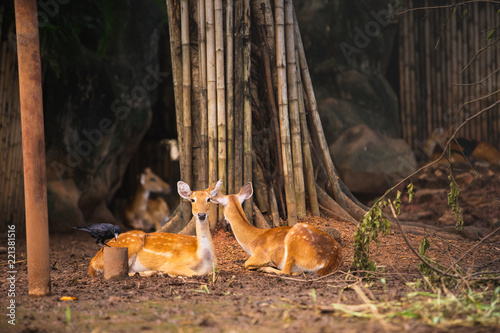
<point x="170" y="253"/>
<point x="144" y="213"/>
<point x="461" y="149"/>
<point x="283" y="250"/>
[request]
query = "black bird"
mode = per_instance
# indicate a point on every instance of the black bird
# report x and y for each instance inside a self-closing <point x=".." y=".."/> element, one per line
<point x="101" y="231"/>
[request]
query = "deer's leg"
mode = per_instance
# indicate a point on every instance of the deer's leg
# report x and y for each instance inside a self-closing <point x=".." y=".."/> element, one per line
<point x="289" y="261"/>
<point x="256" y="263"/>
<point x="179" y="270"/>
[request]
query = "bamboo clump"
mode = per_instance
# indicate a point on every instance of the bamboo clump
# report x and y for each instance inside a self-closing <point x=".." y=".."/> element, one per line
<point x="11" y="167"/>
<point x="440" y="69"/>
<point x="251" y="66"/>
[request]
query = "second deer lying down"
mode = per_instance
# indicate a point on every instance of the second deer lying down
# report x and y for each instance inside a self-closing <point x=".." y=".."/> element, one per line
<point x="170" y="253"/>
<point x="144" y="213"/>
<point x="283" y="250"/>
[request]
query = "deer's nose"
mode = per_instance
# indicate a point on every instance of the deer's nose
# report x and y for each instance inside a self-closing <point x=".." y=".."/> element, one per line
<point x="202" y="216"/>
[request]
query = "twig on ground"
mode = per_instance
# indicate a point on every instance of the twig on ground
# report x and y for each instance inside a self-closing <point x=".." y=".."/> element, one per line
<point x="472" y="248"/>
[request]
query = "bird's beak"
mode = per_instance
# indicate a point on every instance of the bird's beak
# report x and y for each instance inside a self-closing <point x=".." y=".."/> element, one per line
<point x="116" y="236"/>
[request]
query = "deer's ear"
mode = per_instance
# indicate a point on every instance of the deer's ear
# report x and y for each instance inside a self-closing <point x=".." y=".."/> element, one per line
<point x="214" y="186"/>
<point x="183" y="189"/>
<point x="219" y="198"/>
<point x="143" y="179"/>
<point x="245" y="192"/>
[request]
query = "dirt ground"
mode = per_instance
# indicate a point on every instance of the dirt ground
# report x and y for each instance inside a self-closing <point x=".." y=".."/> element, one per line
<point x="235" y="300"/>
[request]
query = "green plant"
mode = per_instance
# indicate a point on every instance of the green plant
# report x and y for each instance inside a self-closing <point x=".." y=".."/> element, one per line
<point x="368" y="230"/>
<point x="203" y="289"/>
<point x="453" y="200"/>
<point x="68" y="315"/>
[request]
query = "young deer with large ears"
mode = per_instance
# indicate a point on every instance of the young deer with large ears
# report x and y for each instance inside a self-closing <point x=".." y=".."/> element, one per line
<point x="170" y="253"/>
<point x="283" y="250"/>
<point x="144" y="213"/>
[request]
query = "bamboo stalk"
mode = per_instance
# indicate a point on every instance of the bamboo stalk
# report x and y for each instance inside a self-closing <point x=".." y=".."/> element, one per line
<point x="283" y="111"/>
<point x="221" y="98"/>
<point x="13" y="128"/>
<point x="17" y="182"/>
<point x="186" y="94"/>
<point x="274" y="207"/>
<point x="261" y="196"/>
<point x="325" y="153"/>
<point x="1" y="21"/>
<point x="173" y="12"/>
<point x="4" y="129"/>
<point x="306" y="149"/>
<point x="230" y="95"/>
<point x="293" y="102"/>
<point x="202" y="62"/>
<point x="212" y="102"/>
<point x="273" y="110"/>
<point x="264" y="22"/>
<point x="238" y="95"/>
<point x="247" y="107"/>
<point x="3" y="76"/>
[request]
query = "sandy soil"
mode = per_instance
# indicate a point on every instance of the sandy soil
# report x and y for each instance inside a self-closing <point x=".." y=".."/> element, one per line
<point x="235" y="300"/>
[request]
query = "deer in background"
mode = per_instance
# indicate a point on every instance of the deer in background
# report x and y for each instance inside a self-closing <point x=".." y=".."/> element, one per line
<point x="461" y="149"/>
<point x="283" y="250"/>
<point x="172" y="254"/>
<point x="144" y="213"/>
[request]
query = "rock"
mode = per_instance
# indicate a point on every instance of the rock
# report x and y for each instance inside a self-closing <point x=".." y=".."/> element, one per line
<point x="62" y="197"/>
<point x="97" y="114"/>
<point x="369" y="162"/>
<point x="350" y="68"/>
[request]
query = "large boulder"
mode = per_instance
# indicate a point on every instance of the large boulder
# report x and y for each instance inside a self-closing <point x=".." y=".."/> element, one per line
<point x="350" y="51"/>
<point x="369" y="162"/>
<point x="97" y="105"/>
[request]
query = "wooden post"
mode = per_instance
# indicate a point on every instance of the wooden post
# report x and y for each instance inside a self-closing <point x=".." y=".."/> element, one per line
<point x="35" y="181"/>
<point x="115" y="263"/>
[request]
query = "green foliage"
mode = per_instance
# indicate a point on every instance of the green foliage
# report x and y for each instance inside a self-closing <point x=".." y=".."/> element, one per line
<point x="373" y="224"/>
<point x="68" y="315"/>
<point x="422" y="249"/>
<point x="368" y="230"/>
<point x="411" y="191"/>
<point x="203" y="289"/>
<point x="491" y="33"/>
<point x="453" y="201"/>
<point x="442" y="309"/>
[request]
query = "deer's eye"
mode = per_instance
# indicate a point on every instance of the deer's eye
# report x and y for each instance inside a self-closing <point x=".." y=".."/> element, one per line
<point x="208" y="199"/>
<point x="153" y="179"/>
<point x="192" y="199"/>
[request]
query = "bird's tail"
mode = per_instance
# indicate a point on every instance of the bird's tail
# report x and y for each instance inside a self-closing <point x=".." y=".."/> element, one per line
<point x="81" y="228"/>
